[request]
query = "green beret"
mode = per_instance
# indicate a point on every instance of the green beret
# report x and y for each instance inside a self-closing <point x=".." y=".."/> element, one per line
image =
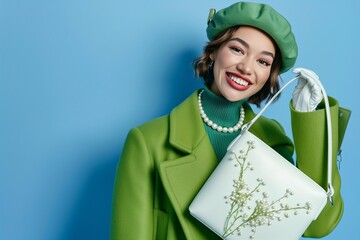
<point x="262" y="17"/>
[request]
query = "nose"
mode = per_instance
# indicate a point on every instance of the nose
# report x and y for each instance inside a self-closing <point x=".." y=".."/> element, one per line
<point x="245" y="66"/>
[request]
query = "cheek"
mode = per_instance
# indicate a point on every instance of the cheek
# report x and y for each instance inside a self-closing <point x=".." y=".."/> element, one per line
<point x="224" y="60"/>
<point x="261" y="80"/>
<point x="263" y="77"/>
<point x="219" y="65"/>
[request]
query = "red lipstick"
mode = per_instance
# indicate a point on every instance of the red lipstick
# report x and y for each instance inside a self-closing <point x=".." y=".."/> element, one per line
<point x="236" y="85"/>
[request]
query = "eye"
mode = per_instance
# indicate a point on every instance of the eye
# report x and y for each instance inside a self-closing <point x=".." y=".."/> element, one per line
<point x="264" y="62"/>
<point x="237" y="50"/>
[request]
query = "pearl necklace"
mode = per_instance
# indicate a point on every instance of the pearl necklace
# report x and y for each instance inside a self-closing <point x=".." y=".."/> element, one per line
<point x="216" y="126"/>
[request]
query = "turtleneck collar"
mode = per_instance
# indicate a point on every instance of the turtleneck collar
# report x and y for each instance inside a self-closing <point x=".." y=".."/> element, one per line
<point x="220" y="110"/>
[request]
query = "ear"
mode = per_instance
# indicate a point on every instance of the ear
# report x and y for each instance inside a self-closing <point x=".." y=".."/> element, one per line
<point x="212" y="56"/>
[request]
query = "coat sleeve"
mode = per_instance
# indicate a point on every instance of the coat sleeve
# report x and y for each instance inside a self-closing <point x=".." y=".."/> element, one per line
<point x="132" y="212"/>
<point x="310" y="139"/>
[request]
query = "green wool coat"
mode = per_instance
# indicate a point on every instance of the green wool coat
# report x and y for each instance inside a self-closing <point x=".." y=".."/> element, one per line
<point x="165" y="162"/>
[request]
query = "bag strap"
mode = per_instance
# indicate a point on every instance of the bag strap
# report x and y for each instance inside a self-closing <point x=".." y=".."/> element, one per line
<point x="330" y="190"/>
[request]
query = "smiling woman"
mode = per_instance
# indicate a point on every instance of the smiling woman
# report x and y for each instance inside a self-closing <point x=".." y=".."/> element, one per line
<point x="167" y="160"/>
<point x="242" y="65"/>
<point x="271" y="59"/>
<point x="76" y="76"/>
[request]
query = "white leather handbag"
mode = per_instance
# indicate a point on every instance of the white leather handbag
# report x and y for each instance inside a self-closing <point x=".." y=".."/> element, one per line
<point x="255" y="193"/>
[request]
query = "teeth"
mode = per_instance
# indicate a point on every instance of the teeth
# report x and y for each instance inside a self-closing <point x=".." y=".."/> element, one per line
<point x="239" y="80"/>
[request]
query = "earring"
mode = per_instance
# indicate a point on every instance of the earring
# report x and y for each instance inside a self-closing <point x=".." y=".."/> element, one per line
<point x="211" y="64"/>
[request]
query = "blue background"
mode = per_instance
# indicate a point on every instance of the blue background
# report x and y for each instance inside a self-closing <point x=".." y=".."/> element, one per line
<point x="75" y="76"/>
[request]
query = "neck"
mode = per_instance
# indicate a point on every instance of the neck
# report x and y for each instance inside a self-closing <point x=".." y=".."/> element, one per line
<point x="219" y="109"/>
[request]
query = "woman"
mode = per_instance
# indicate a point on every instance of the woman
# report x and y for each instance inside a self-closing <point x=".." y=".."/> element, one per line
<point x="166" y="161"/>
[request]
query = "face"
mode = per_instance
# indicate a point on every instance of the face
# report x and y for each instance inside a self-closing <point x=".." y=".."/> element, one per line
<point x="242" y="65"/>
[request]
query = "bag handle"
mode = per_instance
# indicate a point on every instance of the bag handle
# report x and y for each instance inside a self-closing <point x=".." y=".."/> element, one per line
<point x="330" y="190"/>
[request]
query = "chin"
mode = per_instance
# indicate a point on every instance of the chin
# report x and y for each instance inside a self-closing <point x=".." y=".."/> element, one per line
<point x="232" y="98"/>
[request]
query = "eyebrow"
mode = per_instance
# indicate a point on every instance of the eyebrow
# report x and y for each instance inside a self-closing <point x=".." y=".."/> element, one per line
<point x="246" y="45"/>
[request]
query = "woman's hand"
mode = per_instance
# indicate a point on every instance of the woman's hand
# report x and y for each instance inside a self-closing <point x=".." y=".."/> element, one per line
<point x="307" y="94"/>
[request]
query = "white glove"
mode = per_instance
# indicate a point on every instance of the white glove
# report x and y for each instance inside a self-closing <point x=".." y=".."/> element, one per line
<point x="307" y="93"/>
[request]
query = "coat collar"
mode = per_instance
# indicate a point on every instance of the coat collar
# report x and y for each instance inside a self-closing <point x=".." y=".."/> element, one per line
<point x="186" y="126"/>
<point x="183" y="177"/>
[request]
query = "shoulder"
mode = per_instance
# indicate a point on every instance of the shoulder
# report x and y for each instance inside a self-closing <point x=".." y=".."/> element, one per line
<point x="153" y="131"/>
<point x="269" y="130"/>
<point x="273" y="134"/>
<point x="160" y="123"/>
<point x="160" y="127"/>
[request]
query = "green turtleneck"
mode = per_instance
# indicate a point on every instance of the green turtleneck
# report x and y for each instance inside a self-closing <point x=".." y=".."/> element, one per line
<point x="223" y="113"/>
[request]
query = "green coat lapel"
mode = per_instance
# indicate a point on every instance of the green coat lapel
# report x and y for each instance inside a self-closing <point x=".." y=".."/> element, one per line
<point x="183" y="177"/>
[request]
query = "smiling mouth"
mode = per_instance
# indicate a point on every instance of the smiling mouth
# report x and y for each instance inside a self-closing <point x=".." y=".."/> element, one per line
<point x="238" y="80"/>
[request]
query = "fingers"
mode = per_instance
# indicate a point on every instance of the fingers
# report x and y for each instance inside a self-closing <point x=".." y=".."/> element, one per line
<point x="297" y="70"/>
<point x="310" y="76"/>
<point x="307" y="93"/>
